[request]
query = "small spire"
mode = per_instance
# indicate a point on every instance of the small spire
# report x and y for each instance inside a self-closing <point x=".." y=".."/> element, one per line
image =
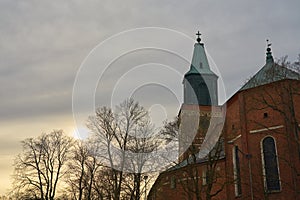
<point x="198" y="38"/>
<point x="269" y="57"/>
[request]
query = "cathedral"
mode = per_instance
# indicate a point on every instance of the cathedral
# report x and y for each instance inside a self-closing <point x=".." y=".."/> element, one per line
<point x="247" y="148"/>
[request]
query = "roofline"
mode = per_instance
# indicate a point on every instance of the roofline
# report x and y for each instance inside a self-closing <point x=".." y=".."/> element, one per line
<point x="247" y="89"/>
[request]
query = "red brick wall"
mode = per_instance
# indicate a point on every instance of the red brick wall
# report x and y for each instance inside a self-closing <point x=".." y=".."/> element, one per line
<point x="249" y="108"/>
<point x="162" y="189"/>
<point x="246" y="125"/>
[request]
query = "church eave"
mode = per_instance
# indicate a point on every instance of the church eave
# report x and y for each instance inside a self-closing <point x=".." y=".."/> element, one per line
<point x="271" y="72"/>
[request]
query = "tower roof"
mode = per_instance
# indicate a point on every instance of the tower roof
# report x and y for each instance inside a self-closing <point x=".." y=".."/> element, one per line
<point x="270" y="72"/>
<point x="199" y="63"/>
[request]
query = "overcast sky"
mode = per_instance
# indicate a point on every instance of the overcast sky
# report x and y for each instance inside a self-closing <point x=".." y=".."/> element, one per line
<point x="44" y="43"/>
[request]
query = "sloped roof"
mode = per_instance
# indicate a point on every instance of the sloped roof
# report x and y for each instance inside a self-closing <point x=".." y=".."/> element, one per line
<point x="199" y="63"/>
<point x="220" y="155"/>
<point x="271" y="72"/>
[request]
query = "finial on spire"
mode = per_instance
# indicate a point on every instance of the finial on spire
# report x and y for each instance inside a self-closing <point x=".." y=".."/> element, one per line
<point x="269" y="58"/>
<point x="268" y="46"/>
<point x="198" y="38"/>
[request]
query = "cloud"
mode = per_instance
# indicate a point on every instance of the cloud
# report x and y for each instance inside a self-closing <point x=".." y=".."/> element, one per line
<point x="43" y="43"/>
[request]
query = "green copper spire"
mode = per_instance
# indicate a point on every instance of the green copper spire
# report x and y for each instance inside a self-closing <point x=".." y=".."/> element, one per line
<point x="200" y="83"/>
<point x="199" y="61"/>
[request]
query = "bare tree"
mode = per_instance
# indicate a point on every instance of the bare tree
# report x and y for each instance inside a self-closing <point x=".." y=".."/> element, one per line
<point x="82" y="170"/>
<point x="38" y="170"/>
<point x="170" y="130"/>
<point x="125" y="137"/>
<point x="200" y="178"/>
<point x="284" y="62"/>
<point x="203" y="178"/>
<point x="77" y="168"/>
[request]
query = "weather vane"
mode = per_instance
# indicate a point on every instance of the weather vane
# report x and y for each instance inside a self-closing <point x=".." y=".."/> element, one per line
<point x="268" y="45"/>
<point x="198" y="39"/>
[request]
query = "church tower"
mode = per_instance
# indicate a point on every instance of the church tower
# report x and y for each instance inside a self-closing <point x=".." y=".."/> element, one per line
<point x="200" y="83"/>
<point x="200" y="96"/>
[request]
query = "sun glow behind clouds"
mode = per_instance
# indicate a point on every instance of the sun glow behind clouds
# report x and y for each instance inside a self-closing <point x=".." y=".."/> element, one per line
<point x="158" y="115"/>
<point x="80" y="132"/>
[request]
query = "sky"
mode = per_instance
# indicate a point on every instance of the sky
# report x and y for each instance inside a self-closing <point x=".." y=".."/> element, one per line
<point x="51" y="51"/>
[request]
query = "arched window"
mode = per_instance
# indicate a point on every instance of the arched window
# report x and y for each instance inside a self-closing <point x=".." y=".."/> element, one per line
<point x="236" y="171"/>
<point x="270" y="165"/>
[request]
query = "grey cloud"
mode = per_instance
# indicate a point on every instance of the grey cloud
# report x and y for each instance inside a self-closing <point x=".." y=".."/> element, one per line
<point x="43" y="43"/>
